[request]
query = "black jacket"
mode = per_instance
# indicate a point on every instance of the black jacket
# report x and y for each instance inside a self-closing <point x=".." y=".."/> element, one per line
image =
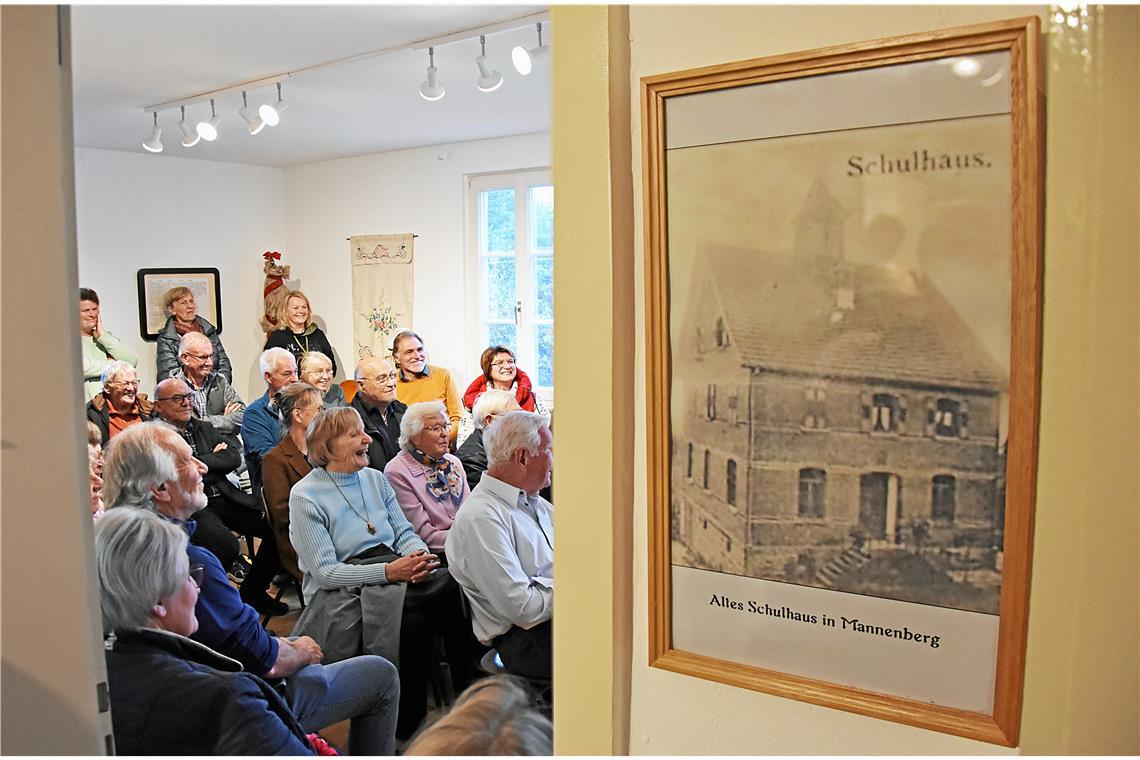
<point x="298" y="344"/>
<point x="221" y="463"/>
<point x="166" y="362"/>
<point x="473" y="456"/>
<point x="385" y="437"/>
<point x="173" y="696"/>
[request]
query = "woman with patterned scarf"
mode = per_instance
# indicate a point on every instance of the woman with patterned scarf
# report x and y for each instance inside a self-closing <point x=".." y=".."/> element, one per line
<point x="430" y="483"/>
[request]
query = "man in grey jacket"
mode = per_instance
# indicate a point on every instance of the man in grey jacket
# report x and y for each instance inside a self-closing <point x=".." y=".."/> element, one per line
<point x="215" y="400"/>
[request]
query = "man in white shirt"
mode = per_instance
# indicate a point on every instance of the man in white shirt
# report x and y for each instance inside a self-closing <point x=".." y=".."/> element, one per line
<point x="501" y="546"/>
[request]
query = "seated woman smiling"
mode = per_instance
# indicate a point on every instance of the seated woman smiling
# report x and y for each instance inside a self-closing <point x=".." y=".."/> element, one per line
<point x="171" y="695"/>
<point x="370" y="583"/>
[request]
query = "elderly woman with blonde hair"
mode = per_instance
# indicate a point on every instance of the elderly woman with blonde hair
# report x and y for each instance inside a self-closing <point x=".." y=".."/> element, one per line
<point x="316" y="369"/>
<point x="429" y="482"/>
<point x="494" y="717"/>
<point x="181" y="306"/>
<point x="297" y="332"/>
<point x="171" y="695"/>
<point x="353" y="542"/>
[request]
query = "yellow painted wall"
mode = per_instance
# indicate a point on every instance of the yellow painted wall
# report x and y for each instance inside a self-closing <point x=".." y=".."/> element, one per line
<point x="1082" y="670"/>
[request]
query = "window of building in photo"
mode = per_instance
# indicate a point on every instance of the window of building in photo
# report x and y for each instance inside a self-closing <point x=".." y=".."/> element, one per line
<point x="511" y="250"/>
<point x="730" y="482"/>
<point x="813" y="486"/>
<point x="943" y="497"/>
<point x="705" y="477"/>
<point x="884" y="412"/>
<point x="947" y="417"/>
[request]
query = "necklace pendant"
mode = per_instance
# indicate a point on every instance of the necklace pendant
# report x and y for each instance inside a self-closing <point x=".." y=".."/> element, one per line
<point x="372" y="528"/>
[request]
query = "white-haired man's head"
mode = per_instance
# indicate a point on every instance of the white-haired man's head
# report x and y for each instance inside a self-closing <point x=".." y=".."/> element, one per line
<point x="150" y="465"/>
<point x="518" y="447"/>
<point x="278" y="367"/>
<point x="491" y="404"/>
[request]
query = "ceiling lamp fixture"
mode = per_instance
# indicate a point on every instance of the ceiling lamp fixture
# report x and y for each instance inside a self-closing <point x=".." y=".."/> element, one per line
<point x="271" y="114"/>
<point x="190" y="138"/>
<point x="431" y="89"/>
<point x="489" y="79"/>
<point x="154" y="142"/>
<point x="208" y="130"/>
<point x="524" y="60"/>
<point x="255" y="122"/>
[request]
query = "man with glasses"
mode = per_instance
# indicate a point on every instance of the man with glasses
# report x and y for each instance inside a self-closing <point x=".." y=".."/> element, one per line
<point x="376" y="402"/>
<point x="214" y="399"/>
<point x="120" y="404"/>
<point x="420" y="381"/>
<point x="173" y="402"/>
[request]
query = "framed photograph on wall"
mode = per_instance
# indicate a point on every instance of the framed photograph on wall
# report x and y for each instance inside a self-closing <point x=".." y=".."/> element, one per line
<point x="203" y="282"/>
<point x="843" y="293"/>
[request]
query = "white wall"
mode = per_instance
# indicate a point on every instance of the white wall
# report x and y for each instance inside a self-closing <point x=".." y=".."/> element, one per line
<point x="139" y="211"/>
<point x="420" y="191"/>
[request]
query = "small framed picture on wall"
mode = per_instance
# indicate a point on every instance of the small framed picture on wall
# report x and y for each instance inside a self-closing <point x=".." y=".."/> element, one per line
<point x="153" y="284"/>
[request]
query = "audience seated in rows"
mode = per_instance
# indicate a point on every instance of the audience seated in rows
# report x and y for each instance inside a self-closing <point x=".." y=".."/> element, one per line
<point x="419" y="381"/>
<point x="296" y="331"/>
<point x="119" y="405"/>
<point x="501" y="546"/>
<point x="317" y="370"/>
<point x="182" y="308"/>
<point x="490" y="405"/>
<point x="370" y="582"/>
<point x="495" y="717"/>
<point x="285" y="464"/>
<point x="501" y="373"/>
<point x="261" y="425"/>
<point x="169" y="694"/>
<point x="98" y="345"/>
<point x="429" y="482"/>
<point x="214" y="399"/>
<point x="151" y="467"/>
<point x="375" y="401"/>
<point x="239" y="511"/>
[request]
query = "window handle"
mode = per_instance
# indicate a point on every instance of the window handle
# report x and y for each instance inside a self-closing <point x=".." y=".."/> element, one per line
<point x="518" y="313"/>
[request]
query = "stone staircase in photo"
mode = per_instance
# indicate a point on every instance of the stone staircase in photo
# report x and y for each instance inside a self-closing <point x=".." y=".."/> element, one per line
<point x="850" y="560"/>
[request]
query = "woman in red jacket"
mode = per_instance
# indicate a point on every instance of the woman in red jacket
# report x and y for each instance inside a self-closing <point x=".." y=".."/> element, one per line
<point x="500" y="372"/>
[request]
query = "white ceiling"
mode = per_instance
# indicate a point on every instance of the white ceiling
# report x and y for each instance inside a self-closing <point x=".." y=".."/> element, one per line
<point x="128" y="57"/>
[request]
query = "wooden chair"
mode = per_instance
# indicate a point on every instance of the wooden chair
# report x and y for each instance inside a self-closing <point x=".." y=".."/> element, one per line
<point x="349" y="388"/>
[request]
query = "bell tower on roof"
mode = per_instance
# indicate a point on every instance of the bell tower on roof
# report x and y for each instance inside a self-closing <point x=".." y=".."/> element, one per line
<point x="819" y="226"/>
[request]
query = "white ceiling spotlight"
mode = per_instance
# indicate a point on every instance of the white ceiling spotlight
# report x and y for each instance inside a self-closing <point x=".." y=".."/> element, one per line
<point x="255" y="122"/>
<point x="208" y="130"/>
<point x="525" y="60"/>
<point x="271" y="114"/>
<point x="431" y="89"/>
<point x="190" y="138"/>
<point x="489" y="79"/>
<point x="154" y="142"/>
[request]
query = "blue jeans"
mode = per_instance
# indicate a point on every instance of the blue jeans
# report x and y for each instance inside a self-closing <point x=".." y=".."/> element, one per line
<point x="364" y="689"/>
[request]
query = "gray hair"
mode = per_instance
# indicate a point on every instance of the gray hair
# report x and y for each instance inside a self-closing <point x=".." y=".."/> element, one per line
<point x="414" y="419"/>
<point x="272" y="357"/>
<point x="136" y="461"/>
<point x="140" y="558"/>
<point x="327" y="425"/>
<point x="289" y="398"/>
<point x="403" y="335"/>
<point x="309" y="358"/>
<point x="112" y="371"/>
<point x="511" y="432"/>
<point x="191" y="339"/>
<point x="492" y="402"/>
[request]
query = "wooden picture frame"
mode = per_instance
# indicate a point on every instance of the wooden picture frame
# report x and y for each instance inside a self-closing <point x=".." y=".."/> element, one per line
<point x="205" y="282"/>
<point x="764" y="106"/>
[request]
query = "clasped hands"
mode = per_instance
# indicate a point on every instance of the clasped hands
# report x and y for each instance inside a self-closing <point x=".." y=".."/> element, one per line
<point x="417" y="566"/>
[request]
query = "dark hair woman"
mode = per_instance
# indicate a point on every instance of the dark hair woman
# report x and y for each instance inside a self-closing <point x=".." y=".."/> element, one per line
<point x="501" y="373"/>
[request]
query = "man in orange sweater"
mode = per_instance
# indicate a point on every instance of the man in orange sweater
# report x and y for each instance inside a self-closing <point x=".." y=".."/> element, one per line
<point x="420" y="381"/>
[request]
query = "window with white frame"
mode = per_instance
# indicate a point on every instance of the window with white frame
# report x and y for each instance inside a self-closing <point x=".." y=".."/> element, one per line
<point x="511" y="248"/>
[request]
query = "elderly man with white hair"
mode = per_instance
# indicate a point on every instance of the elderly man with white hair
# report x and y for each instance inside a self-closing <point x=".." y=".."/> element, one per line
<point x="490" y="405"/>
<point x="214" y="400"/>
<point x="501" y="546"/>
<point x="261" y="425"/>
<point x="119" y="405"/>
<point x="151" y="467"/>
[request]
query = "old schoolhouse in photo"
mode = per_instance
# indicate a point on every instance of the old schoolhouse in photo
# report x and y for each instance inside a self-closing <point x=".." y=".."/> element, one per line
<point x="832" y="410"/>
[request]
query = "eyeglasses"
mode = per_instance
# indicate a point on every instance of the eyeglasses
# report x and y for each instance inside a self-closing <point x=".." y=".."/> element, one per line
<point x="382" y="378"/>
<point x="319" y="372"/>
<point x="197" y="574"/>
<point x="178" y="398"/>
<point x="199" y="357"/>
<point x="504" y="363"/>
<point x="437" y="429"/>
<point x="125" y="383"/>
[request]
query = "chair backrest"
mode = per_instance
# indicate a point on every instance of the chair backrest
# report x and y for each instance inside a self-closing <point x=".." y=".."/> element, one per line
<point x="349" y="388"/>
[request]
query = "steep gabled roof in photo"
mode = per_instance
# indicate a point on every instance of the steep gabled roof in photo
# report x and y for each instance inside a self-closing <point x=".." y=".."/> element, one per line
<point x="782" y="314"/>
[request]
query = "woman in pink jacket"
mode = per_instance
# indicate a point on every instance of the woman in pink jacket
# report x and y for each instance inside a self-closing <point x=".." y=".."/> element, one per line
<point x="430" y="483"/>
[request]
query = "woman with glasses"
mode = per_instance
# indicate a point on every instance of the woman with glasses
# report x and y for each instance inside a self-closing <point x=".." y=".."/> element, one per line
<point x="370" y="583"/>
<point x="182" y="307"/>
<point x="171" y="695"/>
<point x="317" y="370"/>
<point x="501" y="373"/>
<point x="119" y="405"/>
<point x="429" y="482"/>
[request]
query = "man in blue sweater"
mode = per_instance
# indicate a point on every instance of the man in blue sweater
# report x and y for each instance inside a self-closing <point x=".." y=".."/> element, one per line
<point x="261" y="424"/>
<point x="153" y="468"/>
